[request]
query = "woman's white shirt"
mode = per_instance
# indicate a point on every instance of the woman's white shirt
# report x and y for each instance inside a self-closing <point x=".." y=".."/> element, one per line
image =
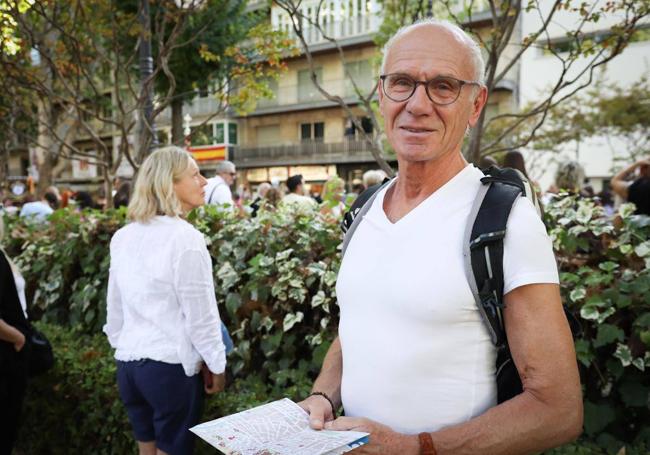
<point x="20" y="289"/>
<point x="160" y="302"/>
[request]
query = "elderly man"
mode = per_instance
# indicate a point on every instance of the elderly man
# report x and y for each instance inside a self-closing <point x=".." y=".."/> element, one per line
<point x="217" y="191"/>
<point x="414" y="364"/>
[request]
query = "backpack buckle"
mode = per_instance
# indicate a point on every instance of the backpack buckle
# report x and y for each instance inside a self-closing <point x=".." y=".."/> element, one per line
<point x="485" y="238"/>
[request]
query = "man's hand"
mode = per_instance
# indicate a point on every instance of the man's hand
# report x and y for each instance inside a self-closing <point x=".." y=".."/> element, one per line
<point x="383" y="440"/>
<point x="319" y="410"/>
<point x="216" y="384"/>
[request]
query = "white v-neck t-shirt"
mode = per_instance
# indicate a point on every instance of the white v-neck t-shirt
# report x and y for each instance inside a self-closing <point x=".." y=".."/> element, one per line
<point x="416" y="353"/>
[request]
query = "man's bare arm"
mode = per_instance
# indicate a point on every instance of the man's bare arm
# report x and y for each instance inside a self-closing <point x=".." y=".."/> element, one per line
<point x="549" y="411"/>
<point x="328" y="382"/>
<point x="547" y="414"/>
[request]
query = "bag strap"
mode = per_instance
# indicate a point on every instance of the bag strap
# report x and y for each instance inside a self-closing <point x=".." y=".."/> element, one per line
<point x="213" y="190"/>
<point x="360" y="207"/>
<point x="484" y="251"/>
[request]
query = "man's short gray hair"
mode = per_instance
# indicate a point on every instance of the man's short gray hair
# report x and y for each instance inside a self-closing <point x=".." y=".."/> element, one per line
<point x="472" y="46"/>
<point x="224" y="166"/>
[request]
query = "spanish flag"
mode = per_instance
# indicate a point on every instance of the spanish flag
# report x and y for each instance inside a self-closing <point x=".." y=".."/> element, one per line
<point x="208" y="152"/>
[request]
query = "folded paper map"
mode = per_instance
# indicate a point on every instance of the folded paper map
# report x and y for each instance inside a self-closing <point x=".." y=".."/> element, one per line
<point x="277" y="428"/>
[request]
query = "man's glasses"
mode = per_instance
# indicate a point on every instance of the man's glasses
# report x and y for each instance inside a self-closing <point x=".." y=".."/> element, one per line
<point x="441" y="90"/>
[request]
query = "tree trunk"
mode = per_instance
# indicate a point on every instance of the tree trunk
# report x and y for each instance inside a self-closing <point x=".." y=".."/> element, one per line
<point x="43" y="155"/>
<point x="476" y="133"/>
<point x="178" y="138"/>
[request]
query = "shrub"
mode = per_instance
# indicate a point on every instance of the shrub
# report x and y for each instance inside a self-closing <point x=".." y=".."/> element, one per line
<point x="605" y="278"/>
<point x="75" y="407"/>
<point x="275" y="277"/>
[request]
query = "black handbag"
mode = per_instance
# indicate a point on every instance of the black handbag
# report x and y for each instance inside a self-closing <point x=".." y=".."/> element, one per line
<point x="40" y="357"/>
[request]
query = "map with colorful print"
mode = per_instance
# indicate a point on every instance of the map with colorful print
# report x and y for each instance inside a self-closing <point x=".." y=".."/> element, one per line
<point x="277" y="428"/>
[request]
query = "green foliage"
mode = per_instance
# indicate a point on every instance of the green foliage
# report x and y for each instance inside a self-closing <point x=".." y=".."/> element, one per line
<point x="75" y="407"/>
<point x="275" y="277"/>
<point x="605" y="278"/>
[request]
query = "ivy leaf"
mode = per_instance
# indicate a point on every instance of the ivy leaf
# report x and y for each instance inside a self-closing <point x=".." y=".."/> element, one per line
<point x="292" y="319"/>
<point x="643" y="249"/>
<point x="605" y="314"/>
<point x="607" y="334"/>
<point x="639" y="363"/>
<point x="608" y="266"/>
<point x="584" y="353"/>
<point x="318" y="299"/>
<point x="597" y="417"/>
<point x="578" y="294"/>
<point x="589" y="312"/>
<point x="624" y="354"/>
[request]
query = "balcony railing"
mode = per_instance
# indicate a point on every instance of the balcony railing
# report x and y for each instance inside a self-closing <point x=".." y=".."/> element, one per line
<point x="305" y="153"/>
<point x="341" y="29"/>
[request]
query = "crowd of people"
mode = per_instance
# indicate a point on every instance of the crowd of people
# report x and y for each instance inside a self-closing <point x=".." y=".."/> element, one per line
<point x="413" y="363"/>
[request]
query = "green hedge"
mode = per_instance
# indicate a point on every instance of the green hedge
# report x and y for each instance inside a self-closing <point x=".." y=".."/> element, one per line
<point x="75" y="407"/>
<point x="275" y="277"/>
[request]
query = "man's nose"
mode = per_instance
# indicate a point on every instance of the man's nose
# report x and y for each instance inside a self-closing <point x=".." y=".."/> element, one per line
<point x="419" y="103"/>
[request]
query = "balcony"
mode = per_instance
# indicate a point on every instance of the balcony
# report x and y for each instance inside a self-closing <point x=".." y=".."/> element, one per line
<point x="306" y="153"/>
<point x="347" y="30"/>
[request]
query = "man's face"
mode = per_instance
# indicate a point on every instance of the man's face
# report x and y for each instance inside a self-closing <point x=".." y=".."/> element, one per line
<point x="229" y="177"/>
<point x="418" y="129"/>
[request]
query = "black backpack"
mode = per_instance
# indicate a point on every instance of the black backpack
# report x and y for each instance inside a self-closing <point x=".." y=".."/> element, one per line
<point x="483" y="253"/>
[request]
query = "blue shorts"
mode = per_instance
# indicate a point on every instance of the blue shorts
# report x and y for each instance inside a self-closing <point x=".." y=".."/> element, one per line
<point x="162" y="403"/>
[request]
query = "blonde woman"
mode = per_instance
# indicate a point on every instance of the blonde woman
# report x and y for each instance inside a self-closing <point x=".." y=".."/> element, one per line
<point x="162" y="316"/>
<point x="13" y="361"/>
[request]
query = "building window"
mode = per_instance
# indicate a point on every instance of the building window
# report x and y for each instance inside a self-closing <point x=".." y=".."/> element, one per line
<point x="361" y="73"/>
<point x="312" y="132"/>
<point x="351" y="132"/>
<point x="220" y="135"/>
<point x="232" y="133"/>
<point x="306" y="89"/>
<point x="202" y="134"/>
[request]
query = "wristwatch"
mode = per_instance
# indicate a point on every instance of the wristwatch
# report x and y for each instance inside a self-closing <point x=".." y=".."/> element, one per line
<point x="426" y="444"/>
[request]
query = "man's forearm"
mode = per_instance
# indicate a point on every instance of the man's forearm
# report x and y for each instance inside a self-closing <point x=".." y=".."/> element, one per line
<point x="9" y="333"/>
<point x="329" y="379"/>
<point x="522" y="425"/>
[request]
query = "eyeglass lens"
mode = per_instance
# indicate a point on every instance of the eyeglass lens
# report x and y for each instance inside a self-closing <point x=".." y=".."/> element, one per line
<point x="441" y="89"/>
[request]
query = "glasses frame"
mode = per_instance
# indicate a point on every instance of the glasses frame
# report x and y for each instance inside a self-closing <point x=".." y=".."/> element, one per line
<point x="426" y="90"/>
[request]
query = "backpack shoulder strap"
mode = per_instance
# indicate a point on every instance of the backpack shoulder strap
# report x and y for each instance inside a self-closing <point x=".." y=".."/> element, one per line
<point x="359" y="208"/>
<point x="484" y="250"/>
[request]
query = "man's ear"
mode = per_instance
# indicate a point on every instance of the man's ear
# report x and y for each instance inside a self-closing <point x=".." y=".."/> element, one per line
<point x="477" y="105"/>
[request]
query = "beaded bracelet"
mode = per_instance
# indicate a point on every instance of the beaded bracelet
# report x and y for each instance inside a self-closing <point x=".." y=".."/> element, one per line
<point x="426" y="444"/>
<point x="324" y="395"/>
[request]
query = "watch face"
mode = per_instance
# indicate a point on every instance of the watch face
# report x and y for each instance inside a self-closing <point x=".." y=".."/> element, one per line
<point x="18" y="188"/>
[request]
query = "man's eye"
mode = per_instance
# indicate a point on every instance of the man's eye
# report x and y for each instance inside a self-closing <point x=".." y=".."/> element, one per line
<point x="401" y="83"/>
<point x="442" y="86"/>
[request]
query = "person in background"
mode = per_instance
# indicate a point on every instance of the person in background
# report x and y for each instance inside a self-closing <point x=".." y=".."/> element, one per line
<point x="259" y="197"/>
<point x="373" y="177"/>
<point x="162" y="316"/>
<point x="333" y="195"/>
<point x="633" y="185"/>
<point x="487" y="161"/>
<point x="84" y="200"/>
<point x="272" y="198"/>
<point x="218" y="191"/>
<point x="40" y="210"/>
<point x="13" y="362"/>
<point x="296" y="196"/>
<point x="607" y="202"/>
<point x="122" y="195"/>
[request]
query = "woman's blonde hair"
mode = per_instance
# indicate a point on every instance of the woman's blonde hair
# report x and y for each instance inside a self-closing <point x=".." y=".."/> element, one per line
<point x="153" y="192"/>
